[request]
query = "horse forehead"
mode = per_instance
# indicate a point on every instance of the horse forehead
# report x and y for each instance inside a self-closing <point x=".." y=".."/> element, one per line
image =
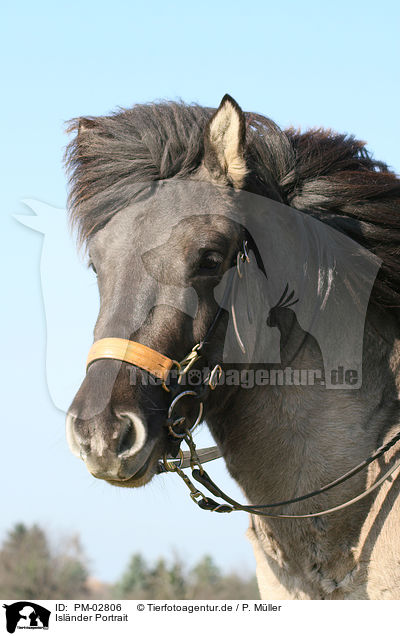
<point x="128" y="224"/>
<point x="139" y="228"/>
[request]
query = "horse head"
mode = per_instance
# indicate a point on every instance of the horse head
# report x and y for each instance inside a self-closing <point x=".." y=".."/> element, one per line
<point x="157" y="261"/>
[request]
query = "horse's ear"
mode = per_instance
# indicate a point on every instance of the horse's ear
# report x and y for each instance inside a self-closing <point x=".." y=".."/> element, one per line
<point x="224" y="141"/>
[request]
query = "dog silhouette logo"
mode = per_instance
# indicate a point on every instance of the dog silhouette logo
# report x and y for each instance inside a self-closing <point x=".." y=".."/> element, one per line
<point x="26" y="615"/>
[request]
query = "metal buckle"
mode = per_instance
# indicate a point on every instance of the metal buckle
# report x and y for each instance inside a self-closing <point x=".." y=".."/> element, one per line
<point x="172" y="464"/>
<point x="178" y="366"/>
<point x="197" y="495"/>
<point x="242" y="257"/>
<point x="214" y="377"/>
<point x="245" y="253"/>
<point x="188" y="361"/>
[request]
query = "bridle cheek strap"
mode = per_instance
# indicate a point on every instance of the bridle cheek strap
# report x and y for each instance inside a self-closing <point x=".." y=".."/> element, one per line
<point x="132" y="352"/>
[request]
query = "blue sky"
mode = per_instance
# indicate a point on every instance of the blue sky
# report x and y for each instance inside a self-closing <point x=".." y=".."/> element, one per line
<point x="301" y="63"/>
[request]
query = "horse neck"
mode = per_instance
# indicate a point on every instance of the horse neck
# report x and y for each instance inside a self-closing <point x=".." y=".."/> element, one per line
<point x="282" y="442"/>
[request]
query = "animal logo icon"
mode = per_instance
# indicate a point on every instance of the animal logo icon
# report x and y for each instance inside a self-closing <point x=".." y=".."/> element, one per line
<point x="25" y="614"/>
<point x="293" y="339"/>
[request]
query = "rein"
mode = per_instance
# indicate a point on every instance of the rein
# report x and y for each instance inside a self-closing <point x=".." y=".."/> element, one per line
<point x="160" y="366"/>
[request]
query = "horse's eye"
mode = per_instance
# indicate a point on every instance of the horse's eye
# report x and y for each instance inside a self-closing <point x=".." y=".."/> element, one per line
<point x="210" y="263"/>
<point x="91" y="265"/>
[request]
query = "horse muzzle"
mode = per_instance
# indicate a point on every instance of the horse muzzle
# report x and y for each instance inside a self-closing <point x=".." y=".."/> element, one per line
<point x="118" y="455"/>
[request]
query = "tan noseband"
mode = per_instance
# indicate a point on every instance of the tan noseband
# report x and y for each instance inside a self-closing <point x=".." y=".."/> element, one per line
<point x="132" y="352"/>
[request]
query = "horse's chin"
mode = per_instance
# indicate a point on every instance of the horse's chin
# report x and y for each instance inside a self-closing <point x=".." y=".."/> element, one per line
<point x="141" y="477"/>
<point x="134" y="482"/>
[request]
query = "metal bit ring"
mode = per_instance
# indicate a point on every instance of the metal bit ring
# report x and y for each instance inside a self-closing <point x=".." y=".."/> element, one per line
<point x="181" y="419"/>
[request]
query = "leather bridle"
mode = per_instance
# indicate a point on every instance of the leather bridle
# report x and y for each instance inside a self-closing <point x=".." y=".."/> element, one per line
<point x="179" y="430"/>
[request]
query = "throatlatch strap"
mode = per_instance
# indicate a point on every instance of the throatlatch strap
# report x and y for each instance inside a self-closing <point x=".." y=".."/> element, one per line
<point x="132" y="352"/>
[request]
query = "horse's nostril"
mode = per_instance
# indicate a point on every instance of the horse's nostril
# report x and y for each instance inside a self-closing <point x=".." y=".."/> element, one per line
<point x="106" y="444"/>
<point x="133" y="434"/>
<point x="127" y="438"/>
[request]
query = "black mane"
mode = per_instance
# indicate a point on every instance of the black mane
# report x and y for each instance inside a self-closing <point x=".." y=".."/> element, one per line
<point x="320" y="172"/>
